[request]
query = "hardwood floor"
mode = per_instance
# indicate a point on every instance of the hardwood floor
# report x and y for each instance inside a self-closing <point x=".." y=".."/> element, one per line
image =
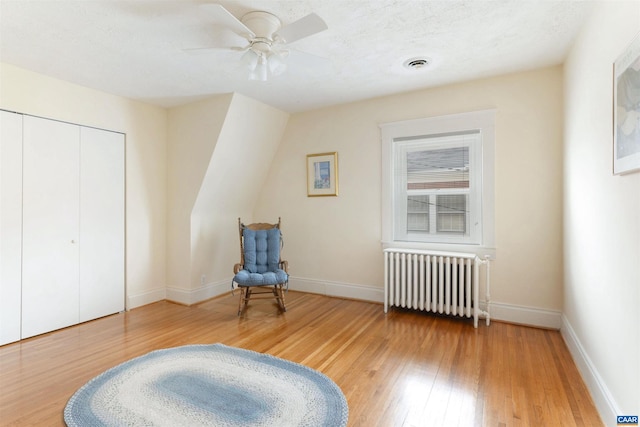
<point x="399" y="369"/>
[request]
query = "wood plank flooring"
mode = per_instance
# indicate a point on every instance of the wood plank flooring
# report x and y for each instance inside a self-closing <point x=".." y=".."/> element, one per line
<point x="400" y="369"/>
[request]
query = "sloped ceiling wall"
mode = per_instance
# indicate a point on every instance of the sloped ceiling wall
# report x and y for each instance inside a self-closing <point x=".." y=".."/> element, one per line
<point x="220" y="152"/>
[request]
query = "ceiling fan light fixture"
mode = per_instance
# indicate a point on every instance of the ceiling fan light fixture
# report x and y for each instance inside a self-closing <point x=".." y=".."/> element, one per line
<point x="265" y="34"/>
<point x="251" y="59"/>
<point x="277" y="65"/>
<point x="259" y="73"/>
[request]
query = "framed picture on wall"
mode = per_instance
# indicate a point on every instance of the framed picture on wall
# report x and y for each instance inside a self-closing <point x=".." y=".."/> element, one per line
<point x="322" y="174"/>
<point x="626" y="110"/>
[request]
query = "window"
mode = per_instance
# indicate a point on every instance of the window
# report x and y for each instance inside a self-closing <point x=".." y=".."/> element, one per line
<point x="438" y="182"/>
<point x="435" y="182"/>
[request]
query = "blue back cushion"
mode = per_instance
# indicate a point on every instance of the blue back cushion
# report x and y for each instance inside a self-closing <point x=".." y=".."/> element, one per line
<point x="261" y="250"/>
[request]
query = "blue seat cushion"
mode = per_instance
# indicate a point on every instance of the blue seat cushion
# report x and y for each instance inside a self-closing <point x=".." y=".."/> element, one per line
<point x="247" y="278"/>
<point x="261" y="259"/>
<point x="261" y="250"/>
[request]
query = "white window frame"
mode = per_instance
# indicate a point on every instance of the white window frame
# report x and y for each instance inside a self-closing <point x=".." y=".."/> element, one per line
<point x="401" y="147"/>
<point x="393" y="134"/>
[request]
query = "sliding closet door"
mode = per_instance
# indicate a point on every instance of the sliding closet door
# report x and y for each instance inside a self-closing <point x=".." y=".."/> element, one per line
<point x="10" y="225"/>
<point x="50" y="260"/>
<point x="101" y="223"/>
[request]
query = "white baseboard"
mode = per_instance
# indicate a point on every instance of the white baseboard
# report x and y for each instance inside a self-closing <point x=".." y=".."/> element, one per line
<point x="335" y="289"/>
<point x="194" y="296"/>
<point x="144" y="298"/>
<point x="499" y="311"/>
<point x="323" y="287"/>
<point x="606" y="405"/>
<point x="181" y="296"/>
<point x="531" y="316"/>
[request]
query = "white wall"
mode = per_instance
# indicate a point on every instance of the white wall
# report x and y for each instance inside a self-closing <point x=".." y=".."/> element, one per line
<point x="145" y="128"/>
<point x="601" y="220"/>
<point x="220" y="153"/>
<point x="193" y="132"/>
<point x="333" y="243"/>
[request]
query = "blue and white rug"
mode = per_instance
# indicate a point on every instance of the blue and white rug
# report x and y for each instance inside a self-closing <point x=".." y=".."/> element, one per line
<point x="208" y="385"/>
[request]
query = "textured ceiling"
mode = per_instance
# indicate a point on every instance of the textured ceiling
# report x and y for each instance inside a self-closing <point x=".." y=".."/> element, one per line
<point x="136" y="48"/>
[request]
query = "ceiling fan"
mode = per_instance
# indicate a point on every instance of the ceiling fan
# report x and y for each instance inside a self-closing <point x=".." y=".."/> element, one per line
<point x="268" y="40"/>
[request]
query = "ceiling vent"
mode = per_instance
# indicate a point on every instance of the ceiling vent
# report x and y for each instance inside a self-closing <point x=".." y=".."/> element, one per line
<point x="417" y="63"/>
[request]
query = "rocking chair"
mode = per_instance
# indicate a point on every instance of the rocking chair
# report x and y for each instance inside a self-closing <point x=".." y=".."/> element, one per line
<point x="260" y="266"/>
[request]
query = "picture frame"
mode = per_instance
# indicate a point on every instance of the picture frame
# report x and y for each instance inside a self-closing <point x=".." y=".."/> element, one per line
<point x="626" y="110"/>
<point x="322" y="174"/>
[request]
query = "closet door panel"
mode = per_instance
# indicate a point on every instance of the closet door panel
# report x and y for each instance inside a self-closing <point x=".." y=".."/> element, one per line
<point x="50" y="271"/>
<point x="10" y="225"/>
<point x="101" y="223"/>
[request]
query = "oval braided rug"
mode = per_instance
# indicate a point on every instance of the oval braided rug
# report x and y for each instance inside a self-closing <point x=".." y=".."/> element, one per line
<point x="208" y="385"/>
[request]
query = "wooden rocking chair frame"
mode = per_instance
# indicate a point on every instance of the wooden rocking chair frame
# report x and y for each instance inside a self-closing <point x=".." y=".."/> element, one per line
<point x="255" y="292"/>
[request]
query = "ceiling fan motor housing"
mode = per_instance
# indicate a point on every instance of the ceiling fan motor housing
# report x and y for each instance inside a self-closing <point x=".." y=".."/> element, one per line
<point x="263" y="24"/>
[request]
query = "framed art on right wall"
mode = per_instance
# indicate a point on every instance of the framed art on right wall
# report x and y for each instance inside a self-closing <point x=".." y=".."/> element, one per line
<point x="626" y="110"/>
<point x="322" y="174"/>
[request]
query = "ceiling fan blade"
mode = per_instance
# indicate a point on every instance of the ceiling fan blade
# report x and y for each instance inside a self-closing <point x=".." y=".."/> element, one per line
<point x="210" y="49"/>
<point x="308" y="62"/>
<point x="224" y="17"/>
<point x="303" y="27"/>
<point x="201" y="50"/>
